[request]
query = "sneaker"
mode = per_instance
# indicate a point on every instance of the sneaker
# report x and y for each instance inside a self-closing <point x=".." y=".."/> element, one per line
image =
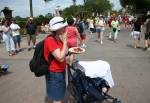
<point x="16" y="51"/>
<point x="10" y="54"/>
<point x="109" y="37"/>
<point x="13" y="52"/>
<point x="84" y="46"/>
<point x="34" y="47"/>
<point x="19" y="50"/>
<point x="101" y="42"/>
<point x="148" y="49"/>
<point x="145" y="48"/>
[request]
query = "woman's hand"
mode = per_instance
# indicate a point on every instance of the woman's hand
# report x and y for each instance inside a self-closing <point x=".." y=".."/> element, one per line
<point x="60" y="54"/>
<point x="64" y="37"/>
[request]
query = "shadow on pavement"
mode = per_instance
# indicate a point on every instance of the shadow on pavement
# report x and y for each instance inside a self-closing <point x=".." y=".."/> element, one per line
<point x="131" y="46"/>
<point x="4" y="73"/>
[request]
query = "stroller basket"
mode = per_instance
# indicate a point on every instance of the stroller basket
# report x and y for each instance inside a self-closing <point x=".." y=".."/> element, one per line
<point x="85" y="89"/>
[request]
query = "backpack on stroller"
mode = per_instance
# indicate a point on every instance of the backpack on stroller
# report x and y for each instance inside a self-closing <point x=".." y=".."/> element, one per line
<point x="85" y="89"/>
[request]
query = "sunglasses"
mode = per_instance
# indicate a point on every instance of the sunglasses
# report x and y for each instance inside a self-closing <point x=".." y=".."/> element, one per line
<point x="63" y="21"/>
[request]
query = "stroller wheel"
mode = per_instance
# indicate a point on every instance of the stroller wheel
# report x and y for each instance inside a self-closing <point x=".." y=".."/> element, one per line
<point x="116" y="101"/>
<point x="74" y="92"/>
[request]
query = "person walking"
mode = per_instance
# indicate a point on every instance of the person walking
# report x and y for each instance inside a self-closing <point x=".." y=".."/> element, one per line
<point x="100" y="28"/>
<point x="7" y="38"/>
<point x="16" y="35"/>
<point x="55" y="78"/>
<point x="115" y="28"/>
<point x="74" y="38"/>
<point x="126" y="21"/>
<point x="91" y="26"/>
<point x="83" y="34"/>
<point x="136" y="34"/>
<point x="31" y="32"/>
<point x="110" y="27"/>
<point x="147" y="34"/>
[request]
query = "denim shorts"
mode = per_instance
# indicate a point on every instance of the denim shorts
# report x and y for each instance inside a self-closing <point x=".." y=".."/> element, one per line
<point x="99" y="30"/>
<point x="17" y="39"/>
<point x="55" y="85"/>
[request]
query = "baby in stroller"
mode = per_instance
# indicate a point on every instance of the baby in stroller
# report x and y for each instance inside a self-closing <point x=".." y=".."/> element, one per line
<point x="90" y="81"/>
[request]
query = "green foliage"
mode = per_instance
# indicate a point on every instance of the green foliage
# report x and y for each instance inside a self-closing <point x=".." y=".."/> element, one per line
<point x="42" y="19"/>
<point x="137" y="4"/>
<point x="90" y="6"/>
<point x="98" y="5"/>
<point x="127" y="2"/>
<point x="72" y="10"/>
<point x="21" y="24"/>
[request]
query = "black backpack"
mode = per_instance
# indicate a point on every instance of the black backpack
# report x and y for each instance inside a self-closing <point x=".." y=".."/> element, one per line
<point x="38" y="64"/>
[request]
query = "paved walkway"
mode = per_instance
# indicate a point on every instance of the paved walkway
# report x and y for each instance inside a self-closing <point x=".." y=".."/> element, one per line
<point x="130" y="69"/>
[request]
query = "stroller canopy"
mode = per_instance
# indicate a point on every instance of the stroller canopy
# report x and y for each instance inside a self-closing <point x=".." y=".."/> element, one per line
<point x="98" y="68"/>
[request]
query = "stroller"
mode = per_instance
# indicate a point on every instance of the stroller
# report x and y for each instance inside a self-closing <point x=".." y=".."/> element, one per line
<point x="84" y="89"/>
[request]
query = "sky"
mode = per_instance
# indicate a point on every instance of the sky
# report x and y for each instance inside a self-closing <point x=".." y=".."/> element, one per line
<point x="21" y="7"/>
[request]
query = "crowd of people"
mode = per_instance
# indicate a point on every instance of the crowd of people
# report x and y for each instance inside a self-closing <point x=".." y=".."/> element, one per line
<point x="67" y="34"/>
<point x="114" y="23"/>
<point x="95" y="25"/>
<point x="10" y="34"/>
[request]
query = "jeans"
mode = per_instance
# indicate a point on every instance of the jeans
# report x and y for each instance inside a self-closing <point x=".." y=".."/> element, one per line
<point x="7" y="38"/>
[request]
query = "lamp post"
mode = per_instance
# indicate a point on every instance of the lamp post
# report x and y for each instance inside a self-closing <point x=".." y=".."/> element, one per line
<point x="31" y="8"/>
<point x="7" y="13"/>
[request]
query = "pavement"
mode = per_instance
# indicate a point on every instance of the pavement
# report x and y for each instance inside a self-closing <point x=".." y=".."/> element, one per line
<point x="130" y="70"/>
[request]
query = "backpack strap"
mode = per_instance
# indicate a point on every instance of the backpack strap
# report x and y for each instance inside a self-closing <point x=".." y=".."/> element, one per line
<point x="50" y="57"/>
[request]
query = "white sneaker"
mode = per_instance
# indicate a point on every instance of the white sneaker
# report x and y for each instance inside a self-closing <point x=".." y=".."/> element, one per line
<point x="101" y="42"/>
<point x="109" y="36"/>
<point x="84" y="46"/>
<point x="148" y="49"/>
<point x="34" y="46"/>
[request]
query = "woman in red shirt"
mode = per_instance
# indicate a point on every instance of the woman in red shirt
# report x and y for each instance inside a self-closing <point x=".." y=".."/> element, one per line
<point x="55" y="79"/>
<point x="73" y="37"/>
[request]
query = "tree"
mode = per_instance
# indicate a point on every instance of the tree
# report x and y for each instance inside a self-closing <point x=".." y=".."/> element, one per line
<point x="72" y="10"/>
<point x="88" y="8"/>
<point x="137" y="5"/>
<point x="99" y="6"/>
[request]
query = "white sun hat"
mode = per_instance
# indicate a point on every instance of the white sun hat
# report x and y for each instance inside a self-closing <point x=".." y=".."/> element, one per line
<point x="57" y="23"/>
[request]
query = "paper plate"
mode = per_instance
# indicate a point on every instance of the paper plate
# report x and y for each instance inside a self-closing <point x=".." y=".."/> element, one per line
<point x="76" y="50"/>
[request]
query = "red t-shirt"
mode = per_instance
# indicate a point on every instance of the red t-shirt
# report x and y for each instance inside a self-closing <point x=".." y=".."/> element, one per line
<point x="126" y="19"/>
<point x="109" y="22"/>
<point x="72" y="36"/>
<point x="50" y="45"/>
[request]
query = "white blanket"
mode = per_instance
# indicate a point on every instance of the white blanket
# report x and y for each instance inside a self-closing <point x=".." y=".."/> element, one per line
<point x="98" y="68"/>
